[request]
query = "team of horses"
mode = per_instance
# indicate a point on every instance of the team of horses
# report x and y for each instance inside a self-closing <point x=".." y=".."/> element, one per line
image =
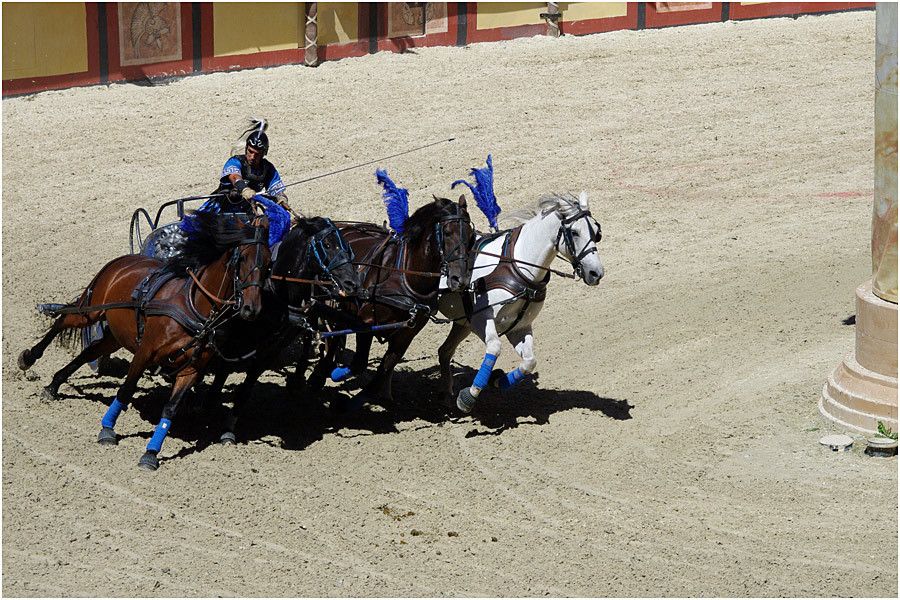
<point x="223" y="305"/>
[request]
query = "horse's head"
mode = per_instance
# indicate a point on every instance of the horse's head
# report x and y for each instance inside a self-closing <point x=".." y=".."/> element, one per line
<point x="578" y="236"/>
<point x="454" y="238"/>
<point x="328" y="255"/>
<point x="250" y="264"/>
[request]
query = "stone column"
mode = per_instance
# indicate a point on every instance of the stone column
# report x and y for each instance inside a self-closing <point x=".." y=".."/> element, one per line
<point x="884" y="217"/>
<point x="862" y="390"/>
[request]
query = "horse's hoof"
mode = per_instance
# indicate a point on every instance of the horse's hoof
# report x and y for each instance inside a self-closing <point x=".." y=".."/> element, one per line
<point x="228" y="439"/>
<point x="149" y="462"/>
<point x="25" y="360"/>
<point x="49" y="394"/>
<point x="339" y="374"/>
<point x="497" y="375"/>
<point x="108" y="437"/>
<point x="465" y="401"/>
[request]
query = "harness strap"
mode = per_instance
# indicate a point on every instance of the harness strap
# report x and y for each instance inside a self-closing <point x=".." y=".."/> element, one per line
<point x="401" y="301"/>
<point x="156" y="308"/>
<point x="151" y="308"/>
<point x="67" y="310"/>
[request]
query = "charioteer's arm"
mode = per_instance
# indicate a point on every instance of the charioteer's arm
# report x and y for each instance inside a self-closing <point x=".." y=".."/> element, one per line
<point x="231" y="173"/>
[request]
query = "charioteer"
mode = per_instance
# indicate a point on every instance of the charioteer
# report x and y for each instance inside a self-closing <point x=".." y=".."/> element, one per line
<point x="245" y="178"/>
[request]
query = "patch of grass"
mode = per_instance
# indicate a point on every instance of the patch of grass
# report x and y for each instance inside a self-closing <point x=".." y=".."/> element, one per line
<point x="885" y="431"/>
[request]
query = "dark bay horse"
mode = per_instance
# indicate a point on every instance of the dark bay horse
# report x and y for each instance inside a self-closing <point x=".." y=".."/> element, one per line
<point x="313" y="264"/>
<point x="401" y="275"/>
<point x="167" y="314"/>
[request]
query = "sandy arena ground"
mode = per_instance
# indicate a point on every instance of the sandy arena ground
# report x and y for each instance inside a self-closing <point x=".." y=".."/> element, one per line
<point x="670" y="444"/>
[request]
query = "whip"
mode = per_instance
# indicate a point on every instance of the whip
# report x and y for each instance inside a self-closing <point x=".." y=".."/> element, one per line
<point x="370" y="162"/>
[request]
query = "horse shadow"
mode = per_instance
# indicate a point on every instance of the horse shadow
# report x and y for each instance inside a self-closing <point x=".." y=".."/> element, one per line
<point x="294" y="419"/>
<point x="273" y="415"/>
<point x="497" y="410"/>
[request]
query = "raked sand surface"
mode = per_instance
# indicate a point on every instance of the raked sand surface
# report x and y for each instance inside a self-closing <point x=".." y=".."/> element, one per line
<point x="669" y="446"/>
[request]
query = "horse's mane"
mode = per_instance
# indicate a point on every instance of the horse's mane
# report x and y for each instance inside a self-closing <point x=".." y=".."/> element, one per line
<point x="210" y="237"/>
<point x="566" y="204"/>
<point x="424" y="218"/>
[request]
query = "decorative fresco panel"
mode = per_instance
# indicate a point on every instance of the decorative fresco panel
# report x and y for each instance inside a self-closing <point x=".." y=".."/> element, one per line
<point x="411" y="19"/>
<point x="149" y="32"/>
<point x="680" y="6"/>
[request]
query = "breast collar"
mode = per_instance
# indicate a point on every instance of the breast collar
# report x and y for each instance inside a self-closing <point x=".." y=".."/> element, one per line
<point x="404" y="283"/>
<point x="508" y="276"/>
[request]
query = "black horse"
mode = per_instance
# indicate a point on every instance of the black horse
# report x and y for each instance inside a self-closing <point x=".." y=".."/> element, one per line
<point x="401" y="275"/>
<point x="313" y="264"/>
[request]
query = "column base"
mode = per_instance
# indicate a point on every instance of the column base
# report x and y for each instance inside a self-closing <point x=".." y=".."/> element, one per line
<point x="862" y="390"/>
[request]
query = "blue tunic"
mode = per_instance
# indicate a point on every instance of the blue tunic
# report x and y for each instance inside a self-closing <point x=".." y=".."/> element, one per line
<point x="263" y="177"/>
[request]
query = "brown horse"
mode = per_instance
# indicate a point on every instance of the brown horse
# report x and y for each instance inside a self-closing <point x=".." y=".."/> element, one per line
<point x="167" y="314"/>
<point x="401" y="275"/>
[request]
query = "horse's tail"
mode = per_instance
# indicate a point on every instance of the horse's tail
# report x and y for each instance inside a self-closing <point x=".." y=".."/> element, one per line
<point x="71" y="331"/>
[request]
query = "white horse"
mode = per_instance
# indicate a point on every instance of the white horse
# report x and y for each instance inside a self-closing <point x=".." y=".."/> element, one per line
<point x="509" y="274"/>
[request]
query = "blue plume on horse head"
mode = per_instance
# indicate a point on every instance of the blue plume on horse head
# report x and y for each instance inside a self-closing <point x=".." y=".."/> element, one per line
<point x="483" y="190"/>
<point x="396" y="201"/>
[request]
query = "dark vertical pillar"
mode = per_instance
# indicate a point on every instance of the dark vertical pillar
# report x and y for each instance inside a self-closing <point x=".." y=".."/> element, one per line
<point x="195" y="36"/>
<point x="726" y="11"/>
<point x="373" y="27"/>
<point x="462" y="23"/>
<point x="102" y="31"/>
<point x="642" y="15"/>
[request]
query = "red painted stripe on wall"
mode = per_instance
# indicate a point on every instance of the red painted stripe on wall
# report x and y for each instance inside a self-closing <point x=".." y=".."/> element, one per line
<point x="779" y="9"/>
<point x="660" y="17"/>
<point x="588" y="26"/>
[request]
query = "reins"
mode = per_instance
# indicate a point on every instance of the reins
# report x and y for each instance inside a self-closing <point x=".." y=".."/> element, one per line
<point x="521" y="262"/>
<point x="206" y="292"/>
<point x="398" y="270"/>
<point x="301" y="280"/>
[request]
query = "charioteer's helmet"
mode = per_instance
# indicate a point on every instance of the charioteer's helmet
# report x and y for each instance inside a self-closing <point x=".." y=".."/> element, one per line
<point x="258" y="140"/>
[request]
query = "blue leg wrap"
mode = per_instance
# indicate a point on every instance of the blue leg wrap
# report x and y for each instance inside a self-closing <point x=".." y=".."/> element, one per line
<point x="159" y="434"/>
<point x="511" y="379"/>
<point x="484" y="373"/>
<point x="112" y="413"/>
<point x="340" y="373"/>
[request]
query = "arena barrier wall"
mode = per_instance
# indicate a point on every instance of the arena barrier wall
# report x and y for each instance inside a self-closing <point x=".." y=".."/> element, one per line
<point x="57" y="45"/>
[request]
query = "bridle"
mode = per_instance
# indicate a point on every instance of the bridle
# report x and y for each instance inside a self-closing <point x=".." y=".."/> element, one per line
<point x="590" y="246"/>
<point x="258" y="236"/>
<point x="459" y="252"/>
<point x="328" y="263"/>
